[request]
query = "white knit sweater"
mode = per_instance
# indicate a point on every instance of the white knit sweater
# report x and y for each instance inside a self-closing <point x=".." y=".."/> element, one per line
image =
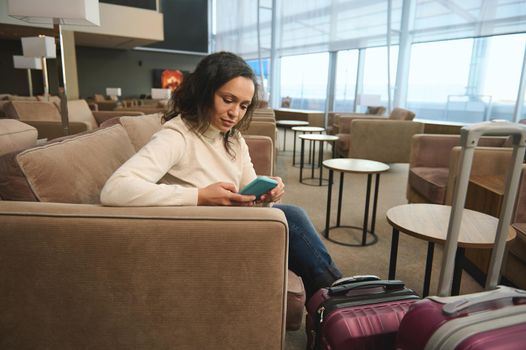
<point x="189" y="160"/>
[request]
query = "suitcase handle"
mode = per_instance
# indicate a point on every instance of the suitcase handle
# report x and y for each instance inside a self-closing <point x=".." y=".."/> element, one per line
<point x="471" y="303"/>
<point x="354" y="279"/>
<point x="389" y="285"/>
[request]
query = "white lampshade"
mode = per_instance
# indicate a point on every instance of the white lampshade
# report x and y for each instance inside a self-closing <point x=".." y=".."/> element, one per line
<point x="368" y="100"/>
<point x="113" y="91"/>
<point x="39" y="46"/>
<point x="161" y="94"/>
<point x="76" y="12"/>
<point x="27" y="62"/>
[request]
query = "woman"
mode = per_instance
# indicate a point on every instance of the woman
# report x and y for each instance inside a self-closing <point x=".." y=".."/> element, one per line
<point x="207" y="161"/>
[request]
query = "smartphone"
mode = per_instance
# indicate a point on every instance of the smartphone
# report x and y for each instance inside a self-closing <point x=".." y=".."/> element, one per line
<point x="259" y="186"/>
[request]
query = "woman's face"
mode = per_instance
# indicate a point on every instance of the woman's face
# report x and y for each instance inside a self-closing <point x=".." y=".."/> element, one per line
<point x="231" y="102"/>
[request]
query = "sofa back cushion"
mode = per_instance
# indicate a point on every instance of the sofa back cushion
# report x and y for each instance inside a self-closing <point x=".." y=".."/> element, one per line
<point x="74" y="169"/>
<point x="32" y="111"/>
<point x="141" y="128"/>
<point x="401" y="114"/>
<point x="79" y="111"/>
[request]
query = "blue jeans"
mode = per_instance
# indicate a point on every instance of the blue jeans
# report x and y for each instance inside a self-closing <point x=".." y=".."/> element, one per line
<point x="308" y="257"/>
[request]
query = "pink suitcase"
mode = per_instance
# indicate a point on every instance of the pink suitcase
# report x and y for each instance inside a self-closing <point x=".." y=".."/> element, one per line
<point x="361" y="313"/>
<point x="488" y="320"/>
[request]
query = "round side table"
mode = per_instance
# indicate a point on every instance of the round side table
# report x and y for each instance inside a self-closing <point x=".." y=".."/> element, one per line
<point x="285" y="124"/>
<point x="321" y="138"/>
<point x="430" y="223"/>
<point x="304" y="129"/>
<point x="357" y="166"/>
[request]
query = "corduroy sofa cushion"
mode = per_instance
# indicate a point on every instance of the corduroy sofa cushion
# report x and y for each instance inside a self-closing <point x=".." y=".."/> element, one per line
<point x="56" y="173"/>
<point x="32" y="111"/>
<point x="140" y="128"/>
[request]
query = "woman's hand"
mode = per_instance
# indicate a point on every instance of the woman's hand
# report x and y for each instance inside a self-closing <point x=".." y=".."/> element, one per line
<point x="223" y="193"/>
<point x="276" y="193"/>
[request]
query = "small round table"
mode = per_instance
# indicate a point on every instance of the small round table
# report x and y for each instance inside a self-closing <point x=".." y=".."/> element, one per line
<point x="321" y="138"/>
<point x="304" y="129"/>
<point x="360" y="166"/>
<point x="288" y="124"/>
<point x="430" y="223"/>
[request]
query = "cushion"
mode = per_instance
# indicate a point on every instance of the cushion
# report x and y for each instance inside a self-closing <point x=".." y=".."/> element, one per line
<point x="430" y="182"/>
<point x="79" y="111"/>
<point x="15" y="135"/>
<point x="32" y="111"/>
<point x="141" y="128"/>
<point x="74" y="169"/>
<point x="401" y="114"/>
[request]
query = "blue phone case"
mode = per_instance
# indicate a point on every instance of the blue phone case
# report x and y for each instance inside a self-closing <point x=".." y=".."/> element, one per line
<point x="259" y="186"/>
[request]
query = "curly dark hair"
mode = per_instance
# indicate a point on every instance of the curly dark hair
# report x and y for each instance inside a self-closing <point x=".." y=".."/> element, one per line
<point x="194" y="98"/>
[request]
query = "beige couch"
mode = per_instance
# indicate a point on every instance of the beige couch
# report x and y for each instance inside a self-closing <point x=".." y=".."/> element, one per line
<point x="15" y="136"/>
<point x="45" y="116"/>
<point x="79" y="275"/>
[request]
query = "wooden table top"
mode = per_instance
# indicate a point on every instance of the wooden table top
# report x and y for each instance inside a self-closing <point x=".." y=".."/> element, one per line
<point x="318" y="137"/>
<point x="351" y="165"/>
<point x="308" y="128"/>
<point x="430" y="222"/>
<point x="292" y="122"/>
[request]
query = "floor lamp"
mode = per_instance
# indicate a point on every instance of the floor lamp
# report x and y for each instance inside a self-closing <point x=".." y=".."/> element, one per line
<point x="57" y="13"/>
<point x="28" y="63"/>
<point x="43" y="47"/>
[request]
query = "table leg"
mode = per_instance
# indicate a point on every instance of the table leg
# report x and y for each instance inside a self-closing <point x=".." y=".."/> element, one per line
<point x="320" y="161"/>
<point x="329" y="198"/>
<point x="340" y="195"/>
<point x="429" y="268"/>
<point x="294" y="149"/>
<point x="394" y="253"/>
<point x="284" y="138"/>
<point x="313" y="160"/>
<point x="366" y="211"/>
<point x="457" y="272"/>
<point x="301" y="159"/>
<point x="375" y="202"/>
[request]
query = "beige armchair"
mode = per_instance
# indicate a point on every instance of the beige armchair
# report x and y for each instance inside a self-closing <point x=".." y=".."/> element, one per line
<point x="342" y="126"/>
<point x="81" y="275"/>
<point x="387" y="141"/>
<point x="333" y="125"/>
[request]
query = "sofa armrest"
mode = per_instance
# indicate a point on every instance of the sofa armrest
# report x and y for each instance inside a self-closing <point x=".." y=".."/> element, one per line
<point x="487" y="161"/>
<point x="86" y="276"/>
<point x="51" y="130"/>
<point x="261" y="149"/>
<point x="387" y="141"/>
<point x="102" y="116"/>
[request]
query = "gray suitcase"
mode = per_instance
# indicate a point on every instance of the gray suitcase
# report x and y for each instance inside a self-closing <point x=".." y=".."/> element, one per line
<point x="469" y="138"/>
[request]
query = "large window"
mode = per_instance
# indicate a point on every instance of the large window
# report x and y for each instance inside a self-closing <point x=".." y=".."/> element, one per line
<point x="304" y="80"/>
<point x="346" y="72"/>
<point x="438" y="71"/>
<point x="375" y="71"/>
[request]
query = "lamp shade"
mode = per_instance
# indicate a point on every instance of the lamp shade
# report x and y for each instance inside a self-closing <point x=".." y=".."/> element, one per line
<point x="161" y="94"/>
<point x="76" y="12"/>
<point x="113" y="91"/>
<point x="27" y="62"/>
<point x="39" y="46"/>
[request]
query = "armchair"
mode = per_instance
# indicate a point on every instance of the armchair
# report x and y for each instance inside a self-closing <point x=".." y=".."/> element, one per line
<point x="387" y="141"/>
<point x="342" y="126"/>
<point x="15" y="136"/>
